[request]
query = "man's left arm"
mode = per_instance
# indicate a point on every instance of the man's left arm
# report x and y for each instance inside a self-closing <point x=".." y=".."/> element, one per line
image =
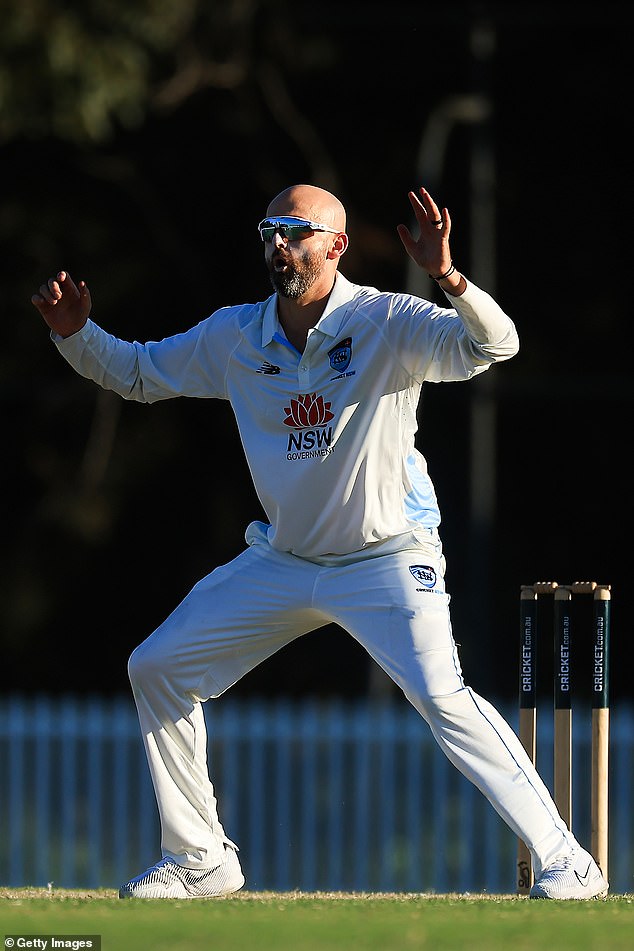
<point x="489" y="329"/>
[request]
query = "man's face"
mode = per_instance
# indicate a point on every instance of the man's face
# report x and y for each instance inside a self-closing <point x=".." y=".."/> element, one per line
<point x="294" y="266"/>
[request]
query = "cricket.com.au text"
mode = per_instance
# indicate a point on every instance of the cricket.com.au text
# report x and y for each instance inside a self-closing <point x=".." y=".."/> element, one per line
<point x="46" y="942"/>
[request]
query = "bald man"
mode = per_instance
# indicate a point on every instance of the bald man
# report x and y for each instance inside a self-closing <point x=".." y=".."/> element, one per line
<point x="324" y="378"/>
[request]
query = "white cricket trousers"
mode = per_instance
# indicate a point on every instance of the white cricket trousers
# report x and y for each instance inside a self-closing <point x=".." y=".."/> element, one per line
<point x="395" y="605"/>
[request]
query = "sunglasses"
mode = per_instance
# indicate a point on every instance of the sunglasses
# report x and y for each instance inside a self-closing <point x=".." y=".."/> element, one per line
<point x="290" y="228"/>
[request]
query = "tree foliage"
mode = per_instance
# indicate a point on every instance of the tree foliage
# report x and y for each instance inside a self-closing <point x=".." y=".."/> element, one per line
<point x="74" y="70"/>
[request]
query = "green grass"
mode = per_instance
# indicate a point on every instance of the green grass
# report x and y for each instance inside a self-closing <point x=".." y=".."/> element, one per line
<point x="303" y="922"/>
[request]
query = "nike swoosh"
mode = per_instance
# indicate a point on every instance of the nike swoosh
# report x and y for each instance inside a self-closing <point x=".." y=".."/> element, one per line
<point x="583" y="879"/>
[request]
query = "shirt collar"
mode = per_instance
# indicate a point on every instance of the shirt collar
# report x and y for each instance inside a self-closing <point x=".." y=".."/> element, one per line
<point x="329" y="323"/>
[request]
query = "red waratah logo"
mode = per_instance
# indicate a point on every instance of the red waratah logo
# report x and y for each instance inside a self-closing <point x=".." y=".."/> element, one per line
<point x="306" y="411"/>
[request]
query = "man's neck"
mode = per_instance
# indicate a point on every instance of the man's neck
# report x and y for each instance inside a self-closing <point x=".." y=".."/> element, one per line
<point x="297" y="317"/>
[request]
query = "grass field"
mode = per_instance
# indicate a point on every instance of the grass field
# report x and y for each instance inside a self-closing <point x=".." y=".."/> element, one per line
<point x="313" y="922"/>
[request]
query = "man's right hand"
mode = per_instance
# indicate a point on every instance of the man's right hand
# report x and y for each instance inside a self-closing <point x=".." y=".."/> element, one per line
<point x="64" y="305"/>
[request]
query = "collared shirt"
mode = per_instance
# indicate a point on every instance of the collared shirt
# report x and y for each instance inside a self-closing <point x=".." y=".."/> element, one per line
<point x="328" y="433"/>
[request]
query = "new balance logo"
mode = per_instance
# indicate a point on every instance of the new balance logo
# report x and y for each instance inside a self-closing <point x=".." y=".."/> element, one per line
<point x="269" y="368"/>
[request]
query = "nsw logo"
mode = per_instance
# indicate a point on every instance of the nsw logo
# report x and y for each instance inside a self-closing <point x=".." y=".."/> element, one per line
<point x="307" y="410"/>
<point x="424" y="574"/>
<point x="308" y="416"/>
<point x="341" y="355"/>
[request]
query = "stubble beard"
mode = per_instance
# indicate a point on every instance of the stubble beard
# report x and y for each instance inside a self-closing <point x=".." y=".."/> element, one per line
<point x="298" y="277"/>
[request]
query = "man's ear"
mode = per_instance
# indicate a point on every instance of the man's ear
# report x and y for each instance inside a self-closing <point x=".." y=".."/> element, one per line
<point x="338" y="246"/>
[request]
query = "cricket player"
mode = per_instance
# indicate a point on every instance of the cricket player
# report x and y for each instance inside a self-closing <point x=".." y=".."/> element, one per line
<point x="324" y="378"/>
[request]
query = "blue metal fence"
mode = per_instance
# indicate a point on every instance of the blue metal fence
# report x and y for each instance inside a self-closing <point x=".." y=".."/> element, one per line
<point x="329" y="796"/>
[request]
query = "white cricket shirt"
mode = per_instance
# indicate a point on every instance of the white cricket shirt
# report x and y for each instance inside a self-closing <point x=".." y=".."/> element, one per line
<point x="328" y="434"/>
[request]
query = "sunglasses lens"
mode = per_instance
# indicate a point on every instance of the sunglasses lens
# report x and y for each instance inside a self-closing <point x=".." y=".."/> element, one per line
<point x="293" y="232"/>
<point x="289" y="231"/>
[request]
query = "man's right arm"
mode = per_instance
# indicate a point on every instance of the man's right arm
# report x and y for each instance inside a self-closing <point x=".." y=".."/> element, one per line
<point x="64" y="305"/>
<point x="193" y="363"/>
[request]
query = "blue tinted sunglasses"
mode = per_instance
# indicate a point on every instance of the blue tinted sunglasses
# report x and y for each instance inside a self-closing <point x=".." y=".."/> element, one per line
<point x="290" y="228"/>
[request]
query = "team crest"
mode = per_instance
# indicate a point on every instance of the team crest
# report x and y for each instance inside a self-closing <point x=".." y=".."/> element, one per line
<point x="424" y="574"/>
<point x="341" y="355"/>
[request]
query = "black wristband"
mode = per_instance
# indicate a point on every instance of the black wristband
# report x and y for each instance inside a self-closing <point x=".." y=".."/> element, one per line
<point x="448" y="273"/>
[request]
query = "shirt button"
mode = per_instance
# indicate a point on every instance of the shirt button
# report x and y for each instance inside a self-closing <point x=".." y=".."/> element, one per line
<point x="303" y="367"/>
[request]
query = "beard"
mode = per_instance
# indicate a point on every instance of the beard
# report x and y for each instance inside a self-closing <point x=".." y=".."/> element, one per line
<point x="298" y="276"/>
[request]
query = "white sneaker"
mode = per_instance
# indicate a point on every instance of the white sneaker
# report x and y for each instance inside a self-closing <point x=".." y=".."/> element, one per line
<point x="576" y="875"/>
<point x="166" y="879"/>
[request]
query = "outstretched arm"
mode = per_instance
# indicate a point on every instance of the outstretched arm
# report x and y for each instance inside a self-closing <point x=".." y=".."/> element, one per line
<point x="189" y="363"/>
<point x="64" y="305"/>
<point x="431" y="249"/>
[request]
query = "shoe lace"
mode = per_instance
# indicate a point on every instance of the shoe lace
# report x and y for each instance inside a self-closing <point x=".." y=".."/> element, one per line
<point x="561" y="863"/>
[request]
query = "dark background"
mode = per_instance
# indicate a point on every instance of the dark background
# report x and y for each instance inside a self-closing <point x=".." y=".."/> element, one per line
<point x="140" y="145"/>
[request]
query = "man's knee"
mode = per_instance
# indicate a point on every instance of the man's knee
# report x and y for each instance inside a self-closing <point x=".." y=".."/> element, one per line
<point x="434" y="708"/>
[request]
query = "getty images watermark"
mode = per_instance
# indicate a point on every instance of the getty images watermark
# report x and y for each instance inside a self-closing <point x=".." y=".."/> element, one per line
<point x="45" y="942"/>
